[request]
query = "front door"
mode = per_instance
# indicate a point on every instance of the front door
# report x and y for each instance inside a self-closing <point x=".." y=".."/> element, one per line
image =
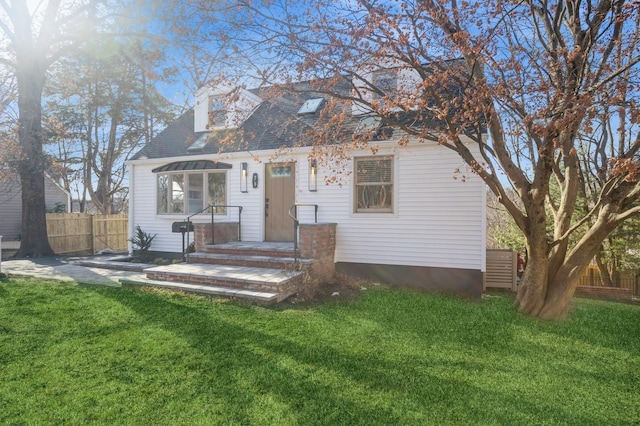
<point x="280" y="195"/>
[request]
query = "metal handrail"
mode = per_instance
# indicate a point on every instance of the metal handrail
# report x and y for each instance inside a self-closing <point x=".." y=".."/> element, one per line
<point x="296" y="223"/>
<point x="213" y="207"/>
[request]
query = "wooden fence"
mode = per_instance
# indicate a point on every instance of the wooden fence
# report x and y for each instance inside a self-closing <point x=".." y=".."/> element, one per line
<point x="501" y="273"/>
<point x="83" y="233"/>
<point x="628" y="279"/>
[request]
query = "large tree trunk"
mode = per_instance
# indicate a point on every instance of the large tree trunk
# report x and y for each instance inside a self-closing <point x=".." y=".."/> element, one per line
<point x="545" y="294"/>
<point x="31" y="166"/>
<point x="546" y="291"/>
<point x="533" y="288"/>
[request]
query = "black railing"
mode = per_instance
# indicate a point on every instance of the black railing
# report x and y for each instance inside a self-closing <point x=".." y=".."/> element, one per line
<point x="213" y="208"/>
<point x="293" y="214"/>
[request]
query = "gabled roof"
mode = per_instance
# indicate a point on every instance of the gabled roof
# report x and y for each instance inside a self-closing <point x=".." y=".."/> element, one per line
<point x="172" y="141"/>
<point x="275" y="123"/>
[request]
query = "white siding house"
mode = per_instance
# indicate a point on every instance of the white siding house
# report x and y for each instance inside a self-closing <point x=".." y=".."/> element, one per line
<point x="429" y="231"/>
<point x="11" y="203"/>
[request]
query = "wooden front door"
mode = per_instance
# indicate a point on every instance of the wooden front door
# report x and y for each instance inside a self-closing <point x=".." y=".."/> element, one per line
<point x="280" y="195"/>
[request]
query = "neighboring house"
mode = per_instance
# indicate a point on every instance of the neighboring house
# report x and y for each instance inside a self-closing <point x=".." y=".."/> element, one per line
<point x="11" y="203"/>
<point x="89" y="207"/>
<point x="402" y="216"/>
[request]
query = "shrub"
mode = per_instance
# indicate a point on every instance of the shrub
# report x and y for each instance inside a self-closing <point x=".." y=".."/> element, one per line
<point x="141" y="244"/>
<point x="58" y="208"/>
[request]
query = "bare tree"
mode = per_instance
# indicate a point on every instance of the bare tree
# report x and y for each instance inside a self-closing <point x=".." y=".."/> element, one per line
<point x="35" y="39"/>
<point x="35" y="36"/>
<point x="98" y="118"/>
<point x="509" y="86"/>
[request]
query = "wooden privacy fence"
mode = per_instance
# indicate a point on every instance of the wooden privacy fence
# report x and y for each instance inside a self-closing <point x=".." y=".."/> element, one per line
<point x="502" y="273"/>
<point x="83" y="233"/>
<point x="628" y="279"/>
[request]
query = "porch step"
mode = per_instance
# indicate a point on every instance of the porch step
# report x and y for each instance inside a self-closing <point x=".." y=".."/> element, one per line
<point x="260" y="261"/>
<point x="252" y="279"/>
<point x="242" y="248"/>
<point x="238" y="293"/>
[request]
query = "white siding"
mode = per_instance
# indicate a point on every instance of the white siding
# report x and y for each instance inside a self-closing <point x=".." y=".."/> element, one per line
<point x="144" y="194"/>
<point x="237" y="112"/>
<point x="10" y="208"/>
<point x="438" y="220"/>
<point x="54" y="194"/>
<point x="406" y="79"/>
<point x="11" y="204"/>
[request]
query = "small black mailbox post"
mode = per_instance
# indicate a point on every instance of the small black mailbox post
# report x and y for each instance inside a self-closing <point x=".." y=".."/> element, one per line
<point x="182" y="227"/>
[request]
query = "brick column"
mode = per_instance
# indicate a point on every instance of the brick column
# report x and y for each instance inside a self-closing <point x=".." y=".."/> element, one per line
<point x="318" y="242"/>
<point x="224" y="232"/>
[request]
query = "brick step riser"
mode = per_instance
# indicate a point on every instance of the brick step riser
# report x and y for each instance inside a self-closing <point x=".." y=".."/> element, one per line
<point x="287" y="287"/>
<point x="273" y="264"/>
<point x="248" y="252"/>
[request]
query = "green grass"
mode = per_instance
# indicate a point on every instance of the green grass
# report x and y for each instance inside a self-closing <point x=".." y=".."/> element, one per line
<point x="77" y="355"/>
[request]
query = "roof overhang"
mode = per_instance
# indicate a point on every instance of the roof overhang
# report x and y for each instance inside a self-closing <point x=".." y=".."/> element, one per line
<point x="179" y="166"/>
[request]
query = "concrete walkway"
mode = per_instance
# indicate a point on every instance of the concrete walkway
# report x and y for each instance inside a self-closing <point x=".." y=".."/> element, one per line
<point x="64" y="269"/>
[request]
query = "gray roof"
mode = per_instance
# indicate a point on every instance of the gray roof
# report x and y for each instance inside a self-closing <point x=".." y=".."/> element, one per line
<point x="275" y="123"/>
<point x="172" y="141"/>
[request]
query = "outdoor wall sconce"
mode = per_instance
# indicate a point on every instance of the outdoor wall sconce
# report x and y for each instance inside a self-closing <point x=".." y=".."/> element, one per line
<point x="313" y="175"/>
<point x="244" y="176"/>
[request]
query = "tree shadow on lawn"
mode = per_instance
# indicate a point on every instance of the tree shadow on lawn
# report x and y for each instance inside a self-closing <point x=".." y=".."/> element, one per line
<point x="489" y="323"/>
<point x="492" y="327"/>
<point x="607" y="324"/>
<point x="260" y="360"/>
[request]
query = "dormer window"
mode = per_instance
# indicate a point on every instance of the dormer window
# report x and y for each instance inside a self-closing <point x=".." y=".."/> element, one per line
<point x="385" y="81"/>
<point x="369" y="124"/>
<point x="217" y="111"/>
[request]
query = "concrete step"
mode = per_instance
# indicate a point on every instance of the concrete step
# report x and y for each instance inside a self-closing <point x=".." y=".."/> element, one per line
<point x="260" y="261"/>
<point x="252" y="249"/>
<point x="284" y="283"/>
<point x="109" y="263"/>
<point x="236" y="293"/>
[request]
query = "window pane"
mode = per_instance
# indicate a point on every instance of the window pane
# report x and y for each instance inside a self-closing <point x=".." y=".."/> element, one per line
<point x="385" y="81"/>
<point x="374" y="170"/>
<point x="374" y="184"/>
<point x="280" y="171"/>
<point x="375" y="197"/>
<point x="217" y="191"/>
<point x="163" y="193"/>
<point x="177" y="194"/>
<point x="217" y="111"/>
<point x="195" y="193"/>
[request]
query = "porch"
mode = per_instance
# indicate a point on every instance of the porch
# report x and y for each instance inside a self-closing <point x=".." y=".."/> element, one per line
<point x="267" y="272"/>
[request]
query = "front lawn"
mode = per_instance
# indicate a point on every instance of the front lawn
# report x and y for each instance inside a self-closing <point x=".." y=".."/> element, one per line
<point x="77" y="355"/>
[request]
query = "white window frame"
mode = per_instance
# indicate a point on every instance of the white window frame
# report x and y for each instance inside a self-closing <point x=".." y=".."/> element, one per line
<point x="216" y="112"/>
<point x="393" y="193"/>
<point x="204" y="192"/>
<point x="385" y="80"/>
